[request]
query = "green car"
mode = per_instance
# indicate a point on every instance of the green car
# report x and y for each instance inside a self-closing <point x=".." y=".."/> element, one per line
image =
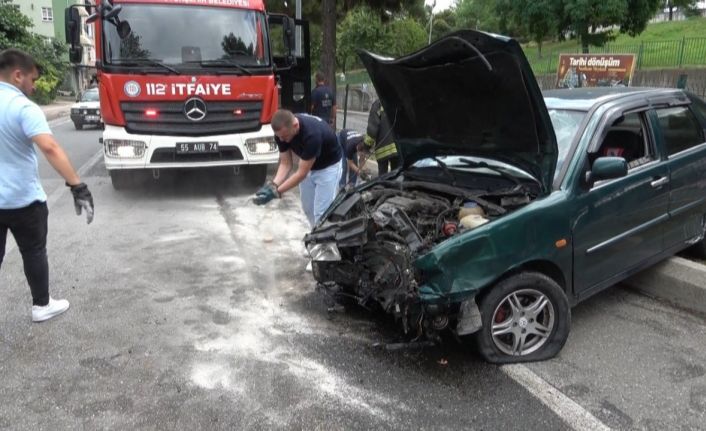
<point x="511" y="206"/>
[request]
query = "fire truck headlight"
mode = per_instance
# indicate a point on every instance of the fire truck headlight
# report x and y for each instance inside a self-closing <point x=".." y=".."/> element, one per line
<point x="261" y="145"/>
<point x="124" y="148"/>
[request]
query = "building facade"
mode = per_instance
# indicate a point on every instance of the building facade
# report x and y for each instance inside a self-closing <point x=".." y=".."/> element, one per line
<point x="42" y="14"/>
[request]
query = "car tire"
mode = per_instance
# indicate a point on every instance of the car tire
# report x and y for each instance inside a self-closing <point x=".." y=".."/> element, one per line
<point x="78" y="125"/>
<point x="523" y="333"/>
<point x="122" y="180"/>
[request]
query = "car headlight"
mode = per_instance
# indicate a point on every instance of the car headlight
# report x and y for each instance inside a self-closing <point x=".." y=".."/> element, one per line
<point x="124" y="148"/>
<point x="324" y="252"/>
<point x="261" y="145"/>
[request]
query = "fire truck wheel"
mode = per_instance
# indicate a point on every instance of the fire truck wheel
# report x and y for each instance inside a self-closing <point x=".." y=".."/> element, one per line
<point x="121" y="180"/>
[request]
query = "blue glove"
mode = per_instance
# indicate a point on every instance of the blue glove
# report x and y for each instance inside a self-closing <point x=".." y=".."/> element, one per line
<point x="262" y="189"/>
<point x="265" y="194"/>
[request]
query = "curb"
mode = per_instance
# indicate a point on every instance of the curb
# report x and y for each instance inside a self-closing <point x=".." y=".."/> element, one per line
<point x="677" y="280"/>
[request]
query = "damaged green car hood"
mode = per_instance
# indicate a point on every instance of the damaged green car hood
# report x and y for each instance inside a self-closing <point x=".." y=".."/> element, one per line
<point x="469" y="93"/>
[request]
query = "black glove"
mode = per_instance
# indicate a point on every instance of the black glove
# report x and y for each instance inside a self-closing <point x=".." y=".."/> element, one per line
<point x="83" y="200"/>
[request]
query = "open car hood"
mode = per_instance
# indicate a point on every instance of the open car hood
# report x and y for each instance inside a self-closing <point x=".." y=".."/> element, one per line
<point x="469" y="93"/>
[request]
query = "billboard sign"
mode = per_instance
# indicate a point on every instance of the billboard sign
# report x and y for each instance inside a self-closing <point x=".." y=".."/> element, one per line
<point x="595" y="70"/>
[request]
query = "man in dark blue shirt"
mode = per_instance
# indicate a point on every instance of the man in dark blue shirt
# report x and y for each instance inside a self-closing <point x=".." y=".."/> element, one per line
<point x="319" y="166"/>
<point x="351" y="142"/>
<point x="323" y="101"/>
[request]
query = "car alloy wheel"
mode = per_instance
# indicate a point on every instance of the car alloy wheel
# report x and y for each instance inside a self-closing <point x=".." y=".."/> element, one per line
<point x="526" y="317"/>
<point x="522" y="322"/>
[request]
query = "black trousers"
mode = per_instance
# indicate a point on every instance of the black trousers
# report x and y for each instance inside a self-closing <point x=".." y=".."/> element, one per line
<point x="388" y="164"/>
<point x="29" y="227"/>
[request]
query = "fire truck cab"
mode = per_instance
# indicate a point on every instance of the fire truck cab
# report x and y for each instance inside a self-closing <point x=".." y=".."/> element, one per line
<point x="190" y="84"/>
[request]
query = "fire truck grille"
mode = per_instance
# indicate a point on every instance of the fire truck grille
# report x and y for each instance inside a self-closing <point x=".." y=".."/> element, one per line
<point x="168" y="118"/>
<point x="169" y="155"/>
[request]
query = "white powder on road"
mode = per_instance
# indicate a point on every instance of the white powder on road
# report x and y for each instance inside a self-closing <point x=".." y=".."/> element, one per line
<point x="263" y="329"/>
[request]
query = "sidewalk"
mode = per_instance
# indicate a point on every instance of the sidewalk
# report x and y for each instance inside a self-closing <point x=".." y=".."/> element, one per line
<point x="61" y="107"/>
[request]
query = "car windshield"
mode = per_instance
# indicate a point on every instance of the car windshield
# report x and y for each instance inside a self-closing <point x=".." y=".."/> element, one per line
<point x="566" y="124"/>
<point x="228" y="35"/>
<point x="89" y="96"/>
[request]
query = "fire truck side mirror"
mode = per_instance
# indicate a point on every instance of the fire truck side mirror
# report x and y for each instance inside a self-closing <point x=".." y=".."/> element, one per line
<point x="124" y="30"/>
<point x="72" y="26"/>
<point x="75" y="54"/>
<point x="288" y="27"/>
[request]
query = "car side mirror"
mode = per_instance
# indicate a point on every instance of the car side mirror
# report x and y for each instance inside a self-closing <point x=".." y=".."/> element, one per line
<point x="606" y="168"/>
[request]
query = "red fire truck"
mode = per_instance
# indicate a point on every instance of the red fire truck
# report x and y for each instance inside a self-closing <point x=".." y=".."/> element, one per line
<point x="192" y="83"/>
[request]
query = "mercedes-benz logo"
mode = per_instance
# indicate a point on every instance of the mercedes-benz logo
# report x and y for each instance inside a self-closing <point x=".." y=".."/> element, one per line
<point x="195" y="109"/>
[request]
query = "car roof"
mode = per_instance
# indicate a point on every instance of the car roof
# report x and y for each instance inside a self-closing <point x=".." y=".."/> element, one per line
<point x="585" y="98"/>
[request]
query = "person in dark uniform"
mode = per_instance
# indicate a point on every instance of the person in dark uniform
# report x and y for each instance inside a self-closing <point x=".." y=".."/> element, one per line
<point x="380" y="132"/>
<point x="352" y="143"/>
<point x="319" y="168"/>
<point x="323" y="101"/>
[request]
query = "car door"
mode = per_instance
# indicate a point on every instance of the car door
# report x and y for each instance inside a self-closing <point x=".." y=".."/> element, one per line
<point x="681" y="134"/>
<point x="620" y="222"/>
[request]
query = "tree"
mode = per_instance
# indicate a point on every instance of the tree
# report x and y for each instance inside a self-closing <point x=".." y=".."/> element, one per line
<point x="444" y="23"/>
<point x="591" y="20"/>
<point x="360" y="29"/>
<point x="403" y="36"/>
<point x="479" y="15"/>
<point x="15" y="33"/>
<point x="537" y="19"/>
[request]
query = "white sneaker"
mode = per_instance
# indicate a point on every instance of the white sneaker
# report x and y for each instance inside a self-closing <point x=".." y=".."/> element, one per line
<point x="52" y="309"/>
<point x="308" y="267"/>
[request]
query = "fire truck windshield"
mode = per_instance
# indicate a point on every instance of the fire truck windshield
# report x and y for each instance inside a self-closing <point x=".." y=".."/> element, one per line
<point x="188" y="36"/>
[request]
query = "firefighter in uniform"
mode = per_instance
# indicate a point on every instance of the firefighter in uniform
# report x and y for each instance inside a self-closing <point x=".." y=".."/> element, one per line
<point x="380" y="138"/>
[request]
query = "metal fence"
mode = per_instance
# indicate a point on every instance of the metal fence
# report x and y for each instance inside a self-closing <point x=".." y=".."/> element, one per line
<point x="685" y="52"/>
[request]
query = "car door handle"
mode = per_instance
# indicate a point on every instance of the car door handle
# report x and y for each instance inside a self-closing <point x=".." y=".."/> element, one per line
<point x="659" y="182"/>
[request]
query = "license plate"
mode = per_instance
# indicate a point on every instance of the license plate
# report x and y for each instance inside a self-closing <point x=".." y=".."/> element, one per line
<point x="92" y="118"/>
<point x="196" y="147"/>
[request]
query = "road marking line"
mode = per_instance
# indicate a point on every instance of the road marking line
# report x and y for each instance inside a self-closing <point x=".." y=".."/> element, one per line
<point x="567" y="409"/>
<point x="56" y="194"/>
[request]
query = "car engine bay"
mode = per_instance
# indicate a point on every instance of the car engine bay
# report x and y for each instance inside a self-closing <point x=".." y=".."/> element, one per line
<point x="364" y="251"/>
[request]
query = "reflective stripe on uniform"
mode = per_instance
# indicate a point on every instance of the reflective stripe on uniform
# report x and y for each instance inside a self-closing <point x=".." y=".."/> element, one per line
<point x="386" y="151"/>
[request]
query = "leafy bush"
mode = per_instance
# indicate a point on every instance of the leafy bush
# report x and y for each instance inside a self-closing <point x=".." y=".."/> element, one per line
<point x="15" y="33"/>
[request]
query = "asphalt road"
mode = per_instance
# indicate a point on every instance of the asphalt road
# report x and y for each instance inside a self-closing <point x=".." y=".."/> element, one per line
<point x="190" y="309"/>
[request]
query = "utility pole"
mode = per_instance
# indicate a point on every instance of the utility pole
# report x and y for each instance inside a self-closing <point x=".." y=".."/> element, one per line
<point x="431" y="19"/>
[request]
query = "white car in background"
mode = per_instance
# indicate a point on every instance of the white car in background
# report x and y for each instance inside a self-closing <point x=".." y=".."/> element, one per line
<point x="87" y="109"/>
